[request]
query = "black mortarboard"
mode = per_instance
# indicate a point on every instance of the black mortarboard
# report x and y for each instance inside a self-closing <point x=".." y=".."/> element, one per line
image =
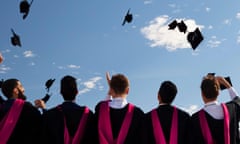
<point x="25" y="7"/>
<point x="222" y="87"/>
<point x="195" y="38"/>
<point x="49" y="83"/>
<point x="172" y="25"/>
<point x="128" y="18"/>
<point x="182" y="27"/>
<point x="15" y="39"/>
<point x="46" y="98"/>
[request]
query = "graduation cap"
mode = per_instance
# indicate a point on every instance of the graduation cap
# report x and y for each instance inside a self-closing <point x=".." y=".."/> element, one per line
<point x="25" y="7"/>
<point x="182" y="27"/>
<point x="128" y="18"/>
<point x="173" y="25"/>
<point x="15" y="39"/>
<point x="49" y="83"/>
<point x="195" y="38"/>
<point x="46" y="98"/>
<point x="228" y="79"/>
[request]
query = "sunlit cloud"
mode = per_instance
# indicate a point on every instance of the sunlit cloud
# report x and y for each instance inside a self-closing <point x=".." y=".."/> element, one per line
<point x="4" y="69"/>
<point x="28" y="54"/>
<point x="91" y="84"/>
<point x="159" y="35"/>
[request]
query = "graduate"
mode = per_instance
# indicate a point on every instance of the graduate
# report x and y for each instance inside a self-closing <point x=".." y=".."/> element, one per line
<point x="20" y="121"/>
<point x="68" y="123"/>
<point x="118" y="121"/>
<point x="216" y="123"/>
<point x="166" y="124"/>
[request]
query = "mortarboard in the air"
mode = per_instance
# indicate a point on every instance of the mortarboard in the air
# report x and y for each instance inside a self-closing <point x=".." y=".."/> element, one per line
<point x="195" y="38"/>
<point x="172" y="25"/>
<point x="128" y="18"/>
<point x="182" y="27"/>
<point x="49" y="83"/>
<point x="25" y="7"/>
<point x="15" y="39"/>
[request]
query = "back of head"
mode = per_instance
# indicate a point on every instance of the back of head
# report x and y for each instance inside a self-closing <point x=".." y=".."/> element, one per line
<point x="8" y="86"/>
<point x="68" y="87"/>
<point x="167" y="92"/>
<point x="119" y="83"/>
<point x="210" y="87"/>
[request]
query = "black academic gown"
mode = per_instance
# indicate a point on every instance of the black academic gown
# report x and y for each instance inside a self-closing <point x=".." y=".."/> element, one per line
<point x="29" y="125"/>
<point x="135" y="131"/>
<point x="217" y="126"/>
<point x="165" y="113"/>
<point x="53" y="121"/>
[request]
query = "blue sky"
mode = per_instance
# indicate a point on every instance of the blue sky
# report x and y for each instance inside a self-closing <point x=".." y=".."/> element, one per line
<point x="85" y="39"/>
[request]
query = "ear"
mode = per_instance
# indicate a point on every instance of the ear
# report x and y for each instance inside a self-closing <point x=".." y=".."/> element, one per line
<point x="127" y="90"/>
<point x="159" y="98"/>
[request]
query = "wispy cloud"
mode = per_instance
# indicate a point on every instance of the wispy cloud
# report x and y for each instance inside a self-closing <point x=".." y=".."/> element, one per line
<point x="191" y="109"/>
<point x="238" y="15"/>
<point x="28" y="54"/>
<point x="147" y="1"/>
<point x="90" y="84"/>
<point x="208" y="9"/>
<point x="159" y="35"/>
<point x="4" y="69"/>
<point x="72" y="66"/>
<point x="213" y="42"/>
<point x="227" y="22"/>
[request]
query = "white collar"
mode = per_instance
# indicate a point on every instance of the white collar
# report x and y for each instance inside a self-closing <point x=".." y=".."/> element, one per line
<point x="211" y="103"/>
<point x="118" y="103"/>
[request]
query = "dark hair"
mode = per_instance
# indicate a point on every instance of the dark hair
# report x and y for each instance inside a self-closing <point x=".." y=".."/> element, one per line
<point x="8" y="86"/>
<point x="167" y="92"/>
<point x="119" y="83"/>
<point x="68" y="87"/>
<point x="210" y="87"/>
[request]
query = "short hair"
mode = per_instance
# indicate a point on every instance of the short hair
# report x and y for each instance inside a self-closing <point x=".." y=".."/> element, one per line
<point x="8" y="86"/>
<point x="119" y="83"/>
<point x="167" y="92"/>
<point x="68" y="87"/>
<point x="210" y="87"/>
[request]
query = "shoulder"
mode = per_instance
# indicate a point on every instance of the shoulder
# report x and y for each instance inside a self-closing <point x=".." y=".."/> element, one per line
<point x="137" y="109"/>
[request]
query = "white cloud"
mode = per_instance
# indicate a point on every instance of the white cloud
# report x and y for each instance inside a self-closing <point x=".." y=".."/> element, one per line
<point x="28" y="54"/>
<point x="238" y="15"/>
<point x="238" y="39"/>
<point x="4" y="69"/>
<point x="90" y="84"/>
<point x="147" y="1"/>
<point x="208" y="9"/>
<point x="159" y="35"/>
<point x="191" y="109"/>
<point x="213" y="42"/>
<point x="73" y="66"/>
<point x="227" y="21"/>
<point x="210" y="27"/>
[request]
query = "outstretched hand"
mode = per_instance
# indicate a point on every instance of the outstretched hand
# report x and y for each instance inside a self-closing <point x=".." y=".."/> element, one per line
<point x="223" y="81"/>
